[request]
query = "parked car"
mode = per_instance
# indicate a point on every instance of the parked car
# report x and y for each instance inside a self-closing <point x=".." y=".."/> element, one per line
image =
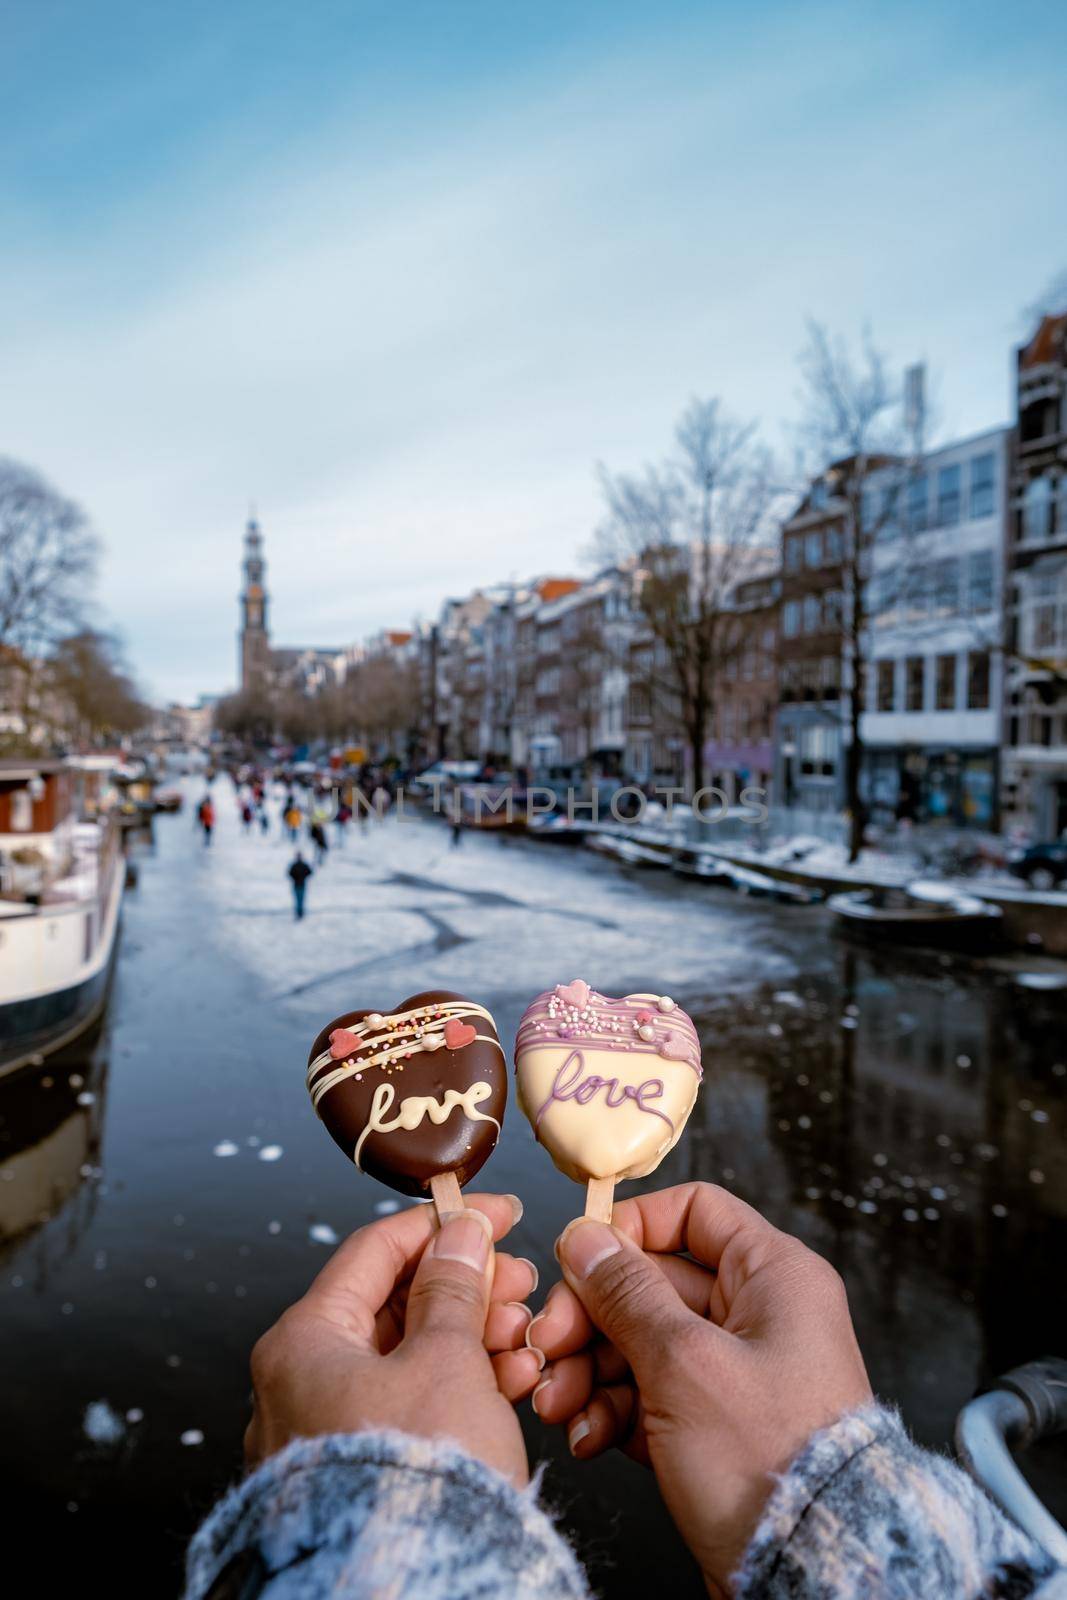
<point x="1044" y="866"/>
<point x="443" y="774"/>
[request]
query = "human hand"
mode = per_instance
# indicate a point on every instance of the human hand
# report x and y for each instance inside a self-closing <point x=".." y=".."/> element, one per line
<point x="713" y="1371"/>
<point x="396" y="1332"/>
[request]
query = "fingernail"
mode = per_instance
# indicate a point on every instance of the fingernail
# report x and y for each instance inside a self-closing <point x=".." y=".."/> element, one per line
<point x="462" y="1238"/>
<point x="535" y="1275"/>
<point x="584" y="1245"/>
<point x="470" y="1212"/>
<point x="540" y="1354"/>
<point x="579" y="1429"/>
<point x="518" y="1305"/>
<point x="544" y="1384"/>
<point x="516" y="1208"/>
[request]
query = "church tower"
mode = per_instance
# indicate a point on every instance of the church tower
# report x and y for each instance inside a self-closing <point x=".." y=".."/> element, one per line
<point x="254" y="639"/>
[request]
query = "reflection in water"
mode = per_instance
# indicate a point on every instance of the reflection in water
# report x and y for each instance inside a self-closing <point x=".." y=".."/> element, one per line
<point x="51" y="1123"/>
<point x="910" y="1128"/>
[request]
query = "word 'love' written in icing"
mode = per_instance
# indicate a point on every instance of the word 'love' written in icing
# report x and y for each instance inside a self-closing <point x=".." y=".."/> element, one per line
<point x="417" y="1106"/>
<point x="569" y="1084"/>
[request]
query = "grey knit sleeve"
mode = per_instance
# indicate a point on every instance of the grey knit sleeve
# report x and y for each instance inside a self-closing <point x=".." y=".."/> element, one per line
<point x="864" y="1512"/>
<point x="378" y="1516"/>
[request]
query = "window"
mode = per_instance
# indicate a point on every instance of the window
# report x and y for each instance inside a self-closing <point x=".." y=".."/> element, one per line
<point x="813" y="549"/>
<point x="818" y="747"/>
<point x="879" y="594"/>
<point x="834" y="608"/>
<point x="916" y="590"/>
<point x="914" y="683"/>
<point x="835" y="543"/>
<point x="886" y="686"/>
<point x="830" y="674"/>
<point x="983" y="483"/>
<point x="794" y="554"/>
<point x="21" y="811"/>
<point x="947" y="585"/>
<point x="812" y="614"/>
<point x="917" y="503"/>
<point x="791" y="618"/>
<point x="948" y="496"/>
<point x="1037" y="510"/>
<point x="978" y="680"/>
<point x="809" y="680"/>
<point x="980" y="581"/>
<point x="946" y="683"/>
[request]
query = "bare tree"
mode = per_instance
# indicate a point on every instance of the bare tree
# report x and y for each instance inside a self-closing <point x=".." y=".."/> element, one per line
<point x="47" y="560"/>
<point x="383" y="693"/>
<point x="857" y="444"/>
<point x="250" y="716"/>
<point x="698" y="525"/>
<point x="91" y="690"/>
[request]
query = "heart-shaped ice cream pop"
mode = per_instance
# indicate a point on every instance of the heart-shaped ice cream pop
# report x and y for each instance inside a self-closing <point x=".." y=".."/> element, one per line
<point x="412" y="1094"/>
<point x="607" y="1084"/>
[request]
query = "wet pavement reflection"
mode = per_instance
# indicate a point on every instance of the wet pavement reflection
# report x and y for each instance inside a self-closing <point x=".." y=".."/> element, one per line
<point x="165" y="1190"/>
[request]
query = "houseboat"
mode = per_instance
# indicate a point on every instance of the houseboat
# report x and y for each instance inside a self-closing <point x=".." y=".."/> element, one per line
<point x="61" y="885"/>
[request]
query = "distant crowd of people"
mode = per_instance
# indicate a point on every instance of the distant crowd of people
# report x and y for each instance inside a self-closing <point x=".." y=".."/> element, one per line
<point x="301" y="814"/>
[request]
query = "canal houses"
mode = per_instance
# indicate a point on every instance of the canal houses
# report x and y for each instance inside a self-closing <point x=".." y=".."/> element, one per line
<point x="1035" y="754"/>
<point x="933" y="710"/>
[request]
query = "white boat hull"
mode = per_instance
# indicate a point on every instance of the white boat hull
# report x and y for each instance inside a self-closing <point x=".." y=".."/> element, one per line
<point x="55" y="965"/>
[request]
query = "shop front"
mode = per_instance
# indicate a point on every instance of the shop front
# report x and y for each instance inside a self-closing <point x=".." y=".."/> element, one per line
<point x="955" y="787"/>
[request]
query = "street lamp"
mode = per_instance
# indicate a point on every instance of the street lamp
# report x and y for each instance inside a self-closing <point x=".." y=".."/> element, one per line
<point x="789" y="750"/>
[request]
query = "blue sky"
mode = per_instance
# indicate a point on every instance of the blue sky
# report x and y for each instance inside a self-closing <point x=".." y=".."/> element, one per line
<point x="402" y="273"/>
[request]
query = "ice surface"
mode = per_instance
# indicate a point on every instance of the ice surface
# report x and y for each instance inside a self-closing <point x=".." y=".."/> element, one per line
<point x="397" y="907"/>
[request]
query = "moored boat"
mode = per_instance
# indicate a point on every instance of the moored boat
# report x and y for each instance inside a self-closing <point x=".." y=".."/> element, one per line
<point x="918" y="914"/>
<point x="61" y="887"/>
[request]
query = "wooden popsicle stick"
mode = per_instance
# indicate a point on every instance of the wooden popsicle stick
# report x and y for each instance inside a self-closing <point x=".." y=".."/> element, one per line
<point x="444" y="1187"/>
<point x="599" y="1199"/>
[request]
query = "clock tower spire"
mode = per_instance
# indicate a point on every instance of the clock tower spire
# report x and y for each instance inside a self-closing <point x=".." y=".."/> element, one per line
<point x="254" y="637"/>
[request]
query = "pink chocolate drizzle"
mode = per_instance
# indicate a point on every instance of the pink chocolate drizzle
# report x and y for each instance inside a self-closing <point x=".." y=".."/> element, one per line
<point x="577" y="1015"/>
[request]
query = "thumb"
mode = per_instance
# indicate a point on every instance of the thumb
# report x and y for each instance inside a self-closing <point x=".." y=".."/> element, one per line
<point x="450" y="1290"/>
<point x="625" y="1294"/>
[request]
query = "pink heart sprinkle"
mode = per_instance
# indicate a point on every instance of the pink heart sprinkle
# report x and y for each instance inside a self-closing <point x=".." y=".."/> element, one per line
<point x="674" y="1048"/>
<point x="459" y="1033"/>
<point x="342" y="1043"/>
<point x="575" y="993"/>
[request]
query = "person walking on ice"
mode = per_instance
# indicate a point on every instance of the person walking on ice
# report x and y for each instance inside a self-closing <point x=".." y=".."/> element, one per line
<point x="299" y="872"/>
<point x="206" y="817"/>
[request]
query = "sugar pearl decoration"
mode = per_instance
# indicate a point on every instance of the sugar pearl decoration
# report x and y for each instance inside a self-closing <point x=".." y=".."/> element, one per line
<point x="646" y="1031"/>
<point x="375" y="1019"/>
<point x="432" y="1041"/>
<point x="665" y="1003"/>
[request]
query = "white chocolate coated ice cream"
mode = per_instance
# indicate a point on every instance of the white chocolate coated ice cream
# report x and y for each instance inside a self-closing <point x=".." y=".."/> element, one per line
<point x="607" y="1084"/>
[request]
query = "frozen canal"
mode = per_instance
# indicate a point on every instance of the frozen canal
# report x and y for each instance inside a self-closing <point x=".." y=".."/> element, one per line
<point x="163" y="1198"/>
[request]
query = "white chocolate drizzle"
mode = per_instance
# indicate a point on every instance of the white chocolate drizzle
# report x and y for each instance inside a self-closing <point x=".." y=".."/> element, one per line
<point x="392" y="1039"/>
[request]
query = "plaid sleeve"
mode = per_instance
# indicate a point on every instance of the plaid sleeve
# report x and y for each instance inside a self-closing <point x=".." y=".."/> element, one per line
<point x="379" y="1516"/>
<point x="863" y="1512"/>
